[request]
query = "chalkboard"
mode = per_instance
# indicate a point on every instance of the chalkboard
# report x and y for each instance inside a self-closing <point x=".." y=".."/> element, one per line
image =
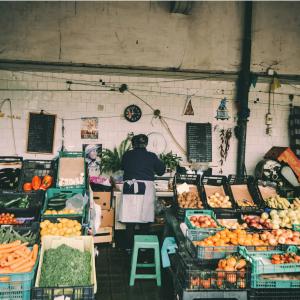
<point x="199" y="145"/>
<point x="41" y="128"/>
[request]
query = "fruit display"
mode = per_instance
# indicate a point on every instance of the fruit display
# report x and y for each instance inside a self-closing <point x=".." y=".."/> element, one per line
<point x="64" y="227"/>
<point x="275" y="219"/>
<point x="203" y="221"/>
<point x="242" y="196"/>
<point x="296" y="203"/>
<point x="240" y="237"/>
<point x="232" y="224"/>
<point x="286" y="258"/>
<point x="230" y="273"/>
<point x="277" y="202"/>
<point x="8" y="235"/>
<point x="8" y="219"/>
<point x="16" y="257"/>
<point x="38" y="184"/>
<point x="18" y="202"/>
<point x="217" y="200"/>
<point x="189" y="200"/>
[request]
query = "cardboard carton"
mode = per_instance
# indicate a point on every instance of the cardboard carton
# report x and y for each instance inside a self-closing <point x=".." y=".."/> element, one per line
<point x="103" y="199"/>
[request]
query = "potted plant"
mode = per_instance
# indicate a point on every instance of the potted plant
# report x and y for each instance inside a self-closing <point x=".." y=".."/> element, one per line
<point x="170" y="160"/>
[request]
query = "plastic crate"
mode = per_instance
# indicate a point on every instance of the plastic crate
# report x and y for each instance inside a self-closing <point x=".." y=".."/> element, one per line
<point x="9" y="173"/>
<point x="17" y="286"/>
<point x="36" y="201"/>
<point x="218" y="181"/>
<point x="74" y="293"/>
<point x="274" y="294"/>
<point x="82" y="217"/>
<point x="69" y="154"/>
<point x="249" y="182"/>
<point x="33" y="228"/>
<point x="39" y="168"/>
<point x="194" y="278"/>
<point x="195" y="230"/>
<point x="296" y="227"/>
<point x="257" y="282"/>
<point x="261" y="261"/>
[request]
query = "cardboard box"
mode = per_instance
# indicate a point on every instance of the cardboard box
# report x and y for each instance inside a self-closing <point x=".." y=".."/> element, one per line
<point x="107" y="217"/>
<point x="103" y="199"/>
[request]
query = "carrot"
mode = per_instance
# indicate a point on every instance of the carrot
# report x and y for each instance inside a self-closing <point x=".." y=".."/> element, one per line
<point x="24" y="267"/>
<point x="4" y="279"/>
<point x="9" y="245"/>
<point x="5" y="270"/>
<point x="34" y="253"/>
<point x="22" y="253"/>
<point x="13" y="249"/>
<point x="16" y="262"/>
<point x="21" y="262"/>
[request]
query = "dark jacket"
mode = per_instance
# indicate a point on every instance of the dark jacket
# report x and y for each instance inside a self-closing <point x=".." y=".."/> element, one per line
<point x="140" y="164"/>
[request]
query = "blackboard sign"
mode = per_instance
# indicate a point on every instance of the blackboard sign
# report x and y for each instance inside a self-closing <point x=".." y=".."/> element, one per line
<point x="199" y="145"/>
<point x="41" y="128"/>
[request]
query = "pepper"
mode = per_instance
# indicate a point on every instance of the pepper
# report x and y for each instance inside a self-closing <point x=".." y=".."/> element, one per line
<point x="46" y="182"/>
<point x="24" y="203"/>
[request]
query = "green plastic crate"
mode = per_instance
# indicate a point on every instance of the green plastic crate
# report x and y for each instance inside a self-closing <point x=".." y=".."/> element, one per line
<point x="82" y="218"/>
<point x="17" y="286"/>
<point x="260" y="283"/>
<point x="71" y="154"/>
<point x="296" y="227"/>
<point x="261" y="261"/>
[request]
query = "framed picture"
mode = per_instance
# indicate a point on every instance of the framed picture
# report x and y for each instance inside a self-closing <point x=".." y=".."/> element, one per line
<point x="92" y="154"/>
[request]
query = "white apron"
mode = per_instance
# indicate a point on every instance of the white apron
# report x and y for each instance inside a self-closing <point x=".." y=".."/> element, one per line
<point x="138" y="208"/>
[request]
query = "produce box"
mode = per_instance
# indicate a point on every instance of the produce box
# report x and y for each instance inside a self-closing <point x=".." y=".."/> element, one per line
<point x="243" y="192"/>
<point x="103" y="199"/>
<point x="63" y="194"/>
<point x="275" y="281"/>
<point x="17" y="285"/>
<point x="28" y="204"/>
<point x="71" y="170"/>
<point x="81" y="243"/>
<point x="274" y="294"/>
<point x="216" y="194"/>
<point x="195" y="278"/>
<point x="33" y="167"/>
<point x="10" y="172"/>
<point x="261" y="261"/>
<point x="107" y="217"/>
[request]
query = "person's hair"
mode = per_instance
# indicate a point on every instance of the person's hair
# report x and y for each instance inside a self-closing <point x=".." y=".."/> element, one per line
<point x="139" y="141"/>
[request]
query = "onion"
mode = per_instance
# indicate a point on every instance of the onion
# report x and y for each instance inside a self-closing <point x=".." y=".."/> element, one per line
<point x="272" y="241"/>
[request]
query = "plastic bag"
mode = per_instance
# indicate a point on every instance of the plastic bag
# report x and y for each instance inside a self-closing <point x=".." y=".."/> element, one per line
<point x="77" y="202"/>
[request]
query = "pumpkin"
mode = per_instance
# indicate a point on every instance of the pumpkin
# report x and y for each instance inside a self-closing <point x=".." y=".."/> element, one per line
<point x="46" y="182"/>
<point x="36" y="182"/>
<point x="27" y="186"/>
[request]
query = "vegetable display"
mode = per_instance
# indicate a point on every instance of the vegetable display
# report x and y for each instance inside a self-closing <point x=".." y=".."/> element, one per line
<point x="65" y="266"/>
<point x="216" y="200"/>
<point x="19" y="202"/>
<point x="8" y="235"/>
<point x="64" y="211"/>
<point x="64" y="227"/>
<point x="15" y="257"/>
<point x="277" y="202"/>
<point x="232" y="224"/>
<point x="8" y="219"/>
<point x="38" y="184"/>
<point x="189" y="200"/>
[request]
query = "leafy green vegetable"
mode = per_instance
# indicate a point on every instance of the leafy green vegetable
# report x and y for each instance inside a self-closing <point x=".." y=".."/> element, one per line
<point x="8" y="235"/>
<point x="65" y="266"/>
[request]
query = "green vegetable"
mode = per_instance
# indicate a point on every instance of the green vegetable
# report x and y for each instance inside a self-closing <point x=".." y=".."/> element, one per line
<point x="24" y="203"/>
<point x="12" y="202"/>
<point x="65" y="266"/>
<point x="8" y="235"/>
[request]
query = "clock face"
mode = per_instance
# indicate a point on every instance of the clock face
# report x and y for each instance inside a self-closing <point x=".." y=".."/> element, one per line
<point x="132" y="113"/>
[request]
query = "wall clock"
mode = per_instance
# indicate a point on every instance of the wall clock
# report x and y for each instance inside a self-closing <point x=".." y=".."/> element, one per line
<point x="132" y="113"/>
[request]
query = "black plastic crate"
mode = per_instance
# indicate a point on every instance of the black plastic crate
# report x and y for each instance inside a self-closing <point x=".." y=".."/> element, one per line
<point x="274" y="294"/>
<point x="9" y="174"/>
<point x="250" y="183"/>
<point x="35" y="204"/>
<point x="263" y="183"/>
<point x="74" y="293"/>
<point x="195" y="278"/>
<point x="39" y="168"/>
<point x="32" y="229"/>
<point x="219" y="181"/>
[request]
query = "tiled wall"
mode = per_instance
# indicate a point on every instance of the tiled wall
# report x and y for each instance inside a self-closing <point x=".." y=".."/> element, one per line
<point x="49" y="92"/>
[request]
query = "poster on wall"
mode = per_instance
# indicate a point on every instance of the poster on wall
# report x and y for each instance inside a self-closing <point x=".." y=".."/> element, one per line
<point x="92" y="154"/>
<point x="89" y="128"/>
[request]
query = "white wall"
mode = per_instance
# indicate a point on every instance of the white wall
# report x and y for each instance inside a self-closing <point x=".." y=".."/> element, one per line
<point x="146" y="34"/>
<point x="165" y="94"/>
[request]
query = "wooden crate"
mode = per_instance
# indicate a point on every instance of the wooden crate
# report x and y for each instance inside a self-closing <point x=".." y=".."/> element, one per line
<point x="103" y="235"/>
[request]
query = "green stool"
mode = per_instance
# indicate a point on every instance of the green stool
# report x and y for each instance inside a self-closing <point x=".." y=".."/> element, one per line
<point x="145" y="242"/>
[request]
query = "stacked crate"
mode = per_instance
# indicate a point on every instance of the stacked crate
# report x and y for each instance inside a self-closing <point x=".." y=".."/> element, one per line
<point x="104" y="233"/>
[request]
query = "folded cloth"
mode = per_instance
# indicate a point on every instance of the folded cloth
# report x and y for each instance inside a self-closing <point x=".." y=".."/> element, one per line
<point x="134" y="187"/>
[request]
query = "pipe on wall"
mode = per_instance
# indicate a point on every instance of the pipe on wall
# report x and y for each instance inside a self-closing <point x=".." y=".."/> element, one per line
<point x="243" y="84"/>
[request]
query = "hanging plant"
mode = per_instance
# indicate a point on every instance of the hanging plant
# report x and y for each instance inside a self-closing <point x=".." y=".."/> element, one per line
<point x="225" y="137"/>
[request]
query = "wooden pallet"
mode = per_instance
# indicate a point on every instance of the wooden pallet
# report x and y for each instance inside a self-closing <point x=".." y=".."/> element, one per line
<point x="103" y="235"/>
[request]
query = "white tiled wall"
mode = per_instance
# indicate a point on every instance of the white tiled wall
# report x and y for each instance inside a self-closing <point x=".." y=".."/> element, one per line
<point x="48" y="92"/>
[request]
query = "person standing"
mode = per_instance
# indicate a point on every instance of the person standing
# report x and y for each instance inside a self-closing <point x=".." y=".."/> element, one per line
<point x="138" y="198"/>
